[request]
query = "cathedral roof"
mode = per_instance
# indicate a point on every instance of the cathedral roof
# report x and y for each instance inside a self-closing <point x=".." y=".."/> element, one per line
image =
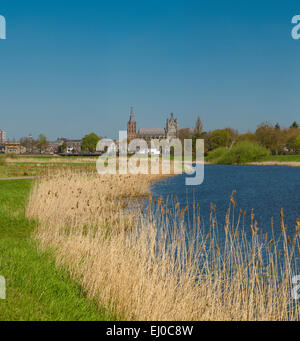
<point x="151" y="131"/>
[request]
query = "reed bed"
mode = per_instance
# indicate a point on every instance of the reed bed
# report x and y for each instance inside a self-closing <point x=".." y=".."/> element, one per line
<point x="146" y="263"/>
<point x="48" y="159"/>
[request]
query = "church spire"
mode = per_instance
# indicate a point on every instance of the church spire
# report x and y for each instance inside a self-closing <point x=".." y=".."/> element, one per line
<point x="131" y="125"/>
<point x="132" y="119"/>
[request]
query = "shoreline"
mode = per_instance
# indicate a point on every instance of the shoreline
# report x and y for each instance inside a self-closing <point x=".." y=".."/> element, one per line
<point x="275" y="163"/>
<point x="261" y="163"/>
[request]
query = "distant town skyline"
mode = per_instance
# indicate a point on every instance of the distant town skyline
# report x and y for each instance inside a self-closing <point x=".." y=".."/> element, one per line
<point x="70" y="69"/>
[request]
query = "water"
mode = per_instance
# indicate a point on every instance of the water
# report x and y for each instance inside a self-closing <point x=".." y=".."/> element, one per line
<point x="266" y="189"/>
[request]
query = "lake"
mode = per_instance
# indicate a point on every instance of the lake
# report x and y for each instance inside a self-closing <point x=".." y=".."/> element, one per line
<point x="266" y="189"/>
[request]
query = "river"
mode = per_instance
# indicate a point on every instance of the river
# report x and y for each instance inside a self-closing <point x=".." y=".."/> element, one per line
<point x="265" y="189"/>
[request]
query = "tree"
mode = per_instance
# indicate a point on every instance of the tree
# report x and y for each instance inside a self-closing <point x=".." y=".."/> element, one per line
<point x="205" y="136"/>
<point x="219" y="138"/>
<point x="89" y="142"/>
<point x="270" y="137"/>
<point x="185" y="133"/>
<point x="294" y="125"/>
<point x="42" y="142"/>
<point x="250" y="137"/>
<point x="198" y="127"/>
<point x="233" y="135"/>
<point x="29" y="143"/>
<point x="297" y="144"/>
<point x="62" y="148"/>
<point x="290" y="136"/>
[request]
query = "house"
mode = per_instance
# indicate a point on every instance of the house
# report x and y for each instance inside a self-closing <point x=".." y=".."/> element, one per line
<point x="64" y="145"/>
<point x="14" y="147"/>
<point x="73" y="146"/>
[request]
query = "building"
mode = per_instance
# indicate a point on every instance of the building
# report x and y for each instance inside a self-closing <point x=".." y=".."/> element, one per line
<point x="172" y="128"/>
<point x="131" y="126"/>
<point x="30" y="148"/>
<point x="14" y="147"/>
<point x="169" y="132"/>
<point x="73" y="146"/>
<point x="64" y="145"/>
<point x="152" y="133"/>
<point x="53" y="146"/>
<point x="2" y="136"/>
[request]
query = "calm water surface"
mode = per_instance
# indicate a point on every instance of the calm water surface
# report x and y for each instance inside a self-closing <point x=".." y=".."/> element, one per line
<point x="266" y="189"/>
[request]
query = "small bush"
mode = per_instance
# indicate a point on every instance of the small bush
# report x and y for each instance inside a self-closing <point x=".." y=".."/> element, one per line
<point x="11" y="155"/>
<point x="2" y="160"/>
<point x="241" y="153"/>
<point x="216" y="154"/>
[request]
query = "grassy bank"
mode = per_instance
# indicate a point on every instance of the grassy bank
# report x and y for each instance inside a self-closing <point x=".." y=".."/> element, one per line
<point x="127" y="259"/>
<point x="249" y="152"/>
<point x="19" y="166"/>
<point x="36" y="288"/>
<point x="241" y="153"/>
<point x="282" y="158"/>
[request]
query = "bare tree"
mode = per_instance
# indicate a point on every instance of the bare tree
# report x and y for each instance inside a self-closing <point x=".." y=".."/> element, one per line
<point x="198" y="127"/>
<point x="42" y="142"/>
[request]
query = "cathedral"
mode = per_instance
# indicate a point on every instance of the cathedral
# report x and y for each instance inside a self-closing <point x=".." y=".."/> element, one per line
<point x="169" y="132"/>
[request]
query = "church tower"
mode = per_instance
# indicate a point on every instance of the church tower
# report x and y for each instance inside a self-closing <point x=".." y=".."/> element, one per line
<point x="131" y="126"/>
<point x="172" y="128"/>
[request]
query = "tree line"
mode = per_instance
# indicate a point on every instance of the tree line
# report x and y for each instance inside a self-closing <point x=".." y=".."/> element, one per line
<point x="41" y="144"/>
<point x="279" y="141"/>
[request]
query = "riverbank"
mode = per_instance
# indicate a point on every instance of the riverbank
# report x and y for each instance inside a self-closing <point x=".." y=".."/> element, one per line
<point x="246" y="152"/>
<point x="266" y="163"/>
<point x="126" y="260"/>
<point x="276" y="163"/>
<point x="29" y="166"/>
<point x="279" y="160"/>
<point x="270" y="162"/>
<point x="36" y="290"/>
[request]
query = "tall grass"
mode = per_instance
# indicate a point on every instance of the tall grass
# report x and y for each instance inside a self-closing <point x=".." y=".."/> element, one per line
<point x="2" y="160"/>
<point x="36" y="290"/>
<point x="241" y="153"/>
<point x="147" y="264"/>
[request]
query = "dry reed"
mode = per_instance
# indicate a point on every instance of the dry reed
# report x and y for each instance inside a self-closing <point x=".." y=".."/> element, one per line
<point x="144" y="265"/>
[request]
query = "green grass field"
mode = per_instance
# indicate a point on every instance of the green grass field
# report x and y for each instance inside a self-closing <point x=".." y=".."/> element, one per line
<point x="276" y="158"/>
<point x="35" y="288"/>
<point x="20" y="166"/>
<point x="283" y="158"/>
<point x="36" y="169"/>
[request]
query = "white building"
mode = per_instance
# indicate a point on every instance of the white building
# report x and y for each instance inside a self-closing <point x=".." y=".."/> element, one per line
<point x="148" y="151"/>
<point x="2" y="136"/>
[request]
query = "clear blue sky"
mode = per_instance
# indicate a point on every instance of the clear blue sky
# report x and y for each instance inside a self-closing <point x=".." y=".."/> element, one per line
<point x="72" y="67"/>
